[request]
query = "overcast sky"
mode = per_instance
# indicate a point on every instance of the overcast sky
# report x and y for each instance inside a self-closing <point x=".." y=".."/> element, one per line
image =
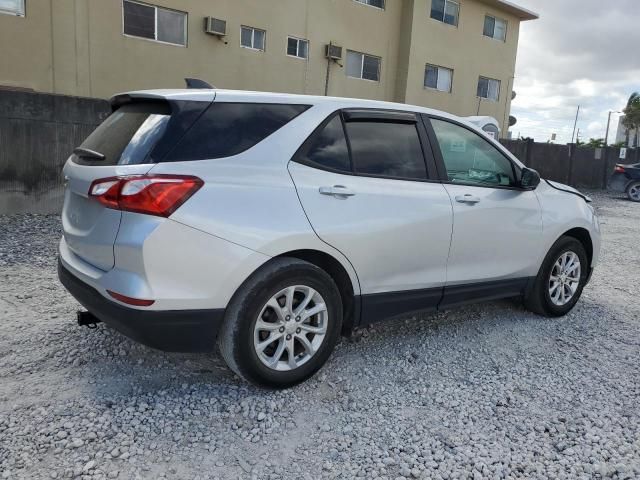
<point x="580" y="52"/>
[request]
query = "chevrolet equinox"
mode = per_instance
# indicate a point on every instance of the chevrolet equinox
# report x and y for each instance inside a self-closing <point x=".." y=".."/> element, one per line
<point x="272" y="223"/>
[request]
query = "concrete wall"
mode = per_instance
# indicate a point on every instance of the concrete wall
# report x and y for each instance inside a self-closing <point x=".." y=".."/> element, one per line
<point x="77" y="47"/>
<point x="38" y="132"/>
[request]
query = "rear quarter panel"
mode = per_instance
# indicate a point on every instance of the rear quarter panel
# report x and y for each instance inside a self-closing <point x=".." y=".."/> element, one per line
<point x="250" y="199"/>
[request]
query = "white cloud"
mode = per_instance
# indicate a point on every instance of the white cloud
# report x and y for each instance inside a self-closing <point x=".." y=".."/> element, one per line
<point x="580" y="52"/>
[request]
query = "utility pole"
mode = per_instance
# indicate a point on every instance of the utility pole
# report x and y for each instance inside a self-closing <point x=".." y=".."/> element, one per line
<point x="575" y="124"/>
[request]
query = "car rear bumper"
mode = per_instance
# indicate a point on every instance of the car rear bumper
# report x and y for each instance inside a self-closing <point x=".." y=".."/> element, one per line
<point x="171" y="330"/>
<point x="618" y="182"/>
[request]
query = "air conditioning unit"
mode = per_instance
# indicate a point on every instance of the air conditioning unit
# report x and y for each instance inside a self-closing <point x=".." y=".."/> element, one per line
<point x="334" y="52"/>
<point x="215" y="26"/>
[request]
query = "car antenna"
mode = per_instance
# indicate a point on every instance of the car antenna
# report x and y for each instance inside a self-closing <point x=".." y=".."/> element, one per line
<point x="197" y="83"/>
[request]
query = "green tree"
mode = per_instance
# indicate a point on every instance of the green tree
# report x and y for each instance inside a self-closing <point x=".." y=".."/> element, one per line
<point x="631" y="119"/>
<point x="595" y="143"/>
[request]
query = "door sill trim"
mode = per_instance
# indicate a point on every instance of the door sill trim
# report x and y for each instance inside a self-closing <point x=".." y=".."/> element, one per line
<point x="382" y="306"/>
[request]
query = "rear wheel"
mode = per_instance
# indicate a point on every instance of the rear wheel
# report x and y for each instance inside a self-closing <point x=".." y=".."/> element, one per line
<point x="633" y="192"/>
<point x="282" y="324"/>
<point x="562" y="276"/>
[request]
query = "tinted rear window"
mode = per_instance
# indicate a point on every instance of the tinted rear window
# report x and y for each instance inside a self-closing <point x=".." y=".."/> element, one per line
<point x="227" y="129"/>
<point x="128" y="135"/>
<point x="328" y="148"/>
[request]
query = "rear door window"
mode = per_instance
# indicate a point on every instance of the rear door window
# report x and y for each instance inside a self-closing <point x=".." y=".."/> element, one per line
<point x="127" y="136"/>
<point x="386" y="149"/>
<point x="227" y="129"/>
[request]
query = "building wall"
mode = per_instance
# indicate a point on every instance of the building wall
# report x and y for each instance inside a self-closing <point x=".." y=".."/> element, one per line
<point x="625" y="135"/>
<point x="76" y="47"/>
<point x="469" y="53"/>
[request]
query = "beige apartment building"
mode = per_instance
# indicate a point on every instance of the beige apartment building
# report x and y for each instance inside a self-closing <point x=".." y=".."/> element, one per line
<point x="453" y="55"/>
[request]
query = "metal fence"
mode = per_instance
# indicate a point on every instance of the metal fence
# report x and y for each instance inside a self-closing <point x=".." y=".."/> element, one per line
<point x="38" y="132"/>
<point x="578" y="166"/>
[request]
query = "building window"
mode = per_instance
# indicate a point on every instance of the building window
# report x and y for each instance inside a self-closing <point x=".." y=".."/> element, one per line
<point x="446" y="11"/>
<point x="373" y="3"/>
<point x="297" y="47"/>
<point x="360" y="65"/>
<point x="252" y="38"/>
<point x="495" y="28"/>
<point x="489" y="88"/>
<point x="154" y="23"/>
<point x="438" y="78"/>
<point x="12" y="7"/>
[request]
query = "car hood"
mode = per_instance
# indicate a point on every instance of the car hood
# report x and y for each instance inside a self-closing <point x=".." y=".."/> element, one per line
<point x="566" y="188"/>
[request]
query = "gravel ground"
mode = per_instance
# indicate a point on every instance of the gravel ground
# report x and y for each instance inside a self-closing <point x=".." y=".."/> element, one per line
<point x="487" y="391"/>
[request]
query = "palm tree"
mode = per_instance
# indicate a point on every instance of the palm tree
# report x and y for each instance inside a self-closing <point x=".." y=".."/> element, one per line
<point x="631" y="119"/>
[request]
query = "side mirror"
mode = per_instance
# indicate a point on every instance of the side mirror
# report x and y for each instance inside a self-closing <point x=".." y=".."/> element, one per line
<point x="530" y="179"/>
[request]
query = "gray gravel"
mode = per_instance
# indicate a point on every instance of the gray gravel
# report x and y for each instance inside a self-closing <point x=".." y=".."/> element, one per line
<point x="488" y="391"/>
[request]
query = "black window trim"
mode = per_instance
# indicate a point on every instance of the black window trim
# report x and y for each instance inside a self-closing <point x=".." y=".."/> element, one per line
<point x="442" y="170"/>
<point x="378" y="116"/>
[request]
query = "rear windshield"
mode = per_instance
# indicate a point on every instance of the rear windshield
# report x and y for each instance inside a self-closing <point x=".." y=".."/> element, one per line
<point x="128" y="135"/>
<point x="227" y="129"/>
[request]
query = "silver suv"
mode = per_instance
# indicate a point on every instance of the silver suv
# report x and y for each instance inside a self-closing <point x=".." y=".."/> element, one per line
<point x="274" y="222"/>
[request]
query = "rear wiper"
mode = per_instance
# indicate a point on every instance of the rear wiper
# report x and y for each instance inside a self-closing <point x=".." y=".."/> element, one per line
<point x="86" y="153"/>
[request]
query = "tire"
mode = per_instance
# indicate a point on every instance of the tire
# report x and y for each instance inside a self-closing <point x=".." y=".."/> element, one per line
<point x="240" y="336"/>
<point x="633" y="191"/>
<point x="539" y="300"/>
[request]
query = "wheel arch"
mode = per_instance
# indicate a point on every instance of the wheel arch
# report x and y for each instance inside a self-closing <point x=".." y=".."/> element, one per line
<point x="584" y="237"/>
<point x="340" y="275"/>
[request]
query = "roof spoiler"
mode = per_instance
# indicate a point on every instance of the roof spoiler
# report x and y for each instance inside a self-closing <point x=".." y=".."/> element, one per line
<point x="196" y="83"/>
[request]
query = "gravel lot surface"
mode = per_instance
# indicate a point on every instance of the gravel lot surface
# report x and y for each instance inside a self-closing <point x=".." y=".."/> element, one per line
<point x="488" y="391"/>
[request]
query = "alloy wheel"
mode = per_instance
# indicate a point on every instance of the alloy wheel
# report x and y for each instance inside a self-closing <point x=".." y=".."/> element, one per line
<point x="565" y="278"/>
<point x="634" y="192"/>
<point x="290" y="328"/>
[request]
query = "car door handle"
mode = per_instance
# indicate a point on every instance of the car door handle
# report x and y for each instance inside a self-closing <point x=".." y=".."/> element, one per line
<point x="468" y="198"/>
<point x="338" y="191"/>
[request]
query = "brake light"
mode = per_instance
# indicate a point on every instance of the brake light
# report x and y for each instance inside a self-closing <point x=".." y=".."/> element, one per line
<point x="159" y="195"/>
<point x="619" y="169"/>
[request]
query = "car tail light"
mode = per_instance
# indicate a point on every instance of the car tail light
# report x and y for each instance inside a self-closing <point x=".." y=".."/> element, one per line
<point x="159" y="195"/>
<point x="138" y="302"/>
<point x="619" y="169"/>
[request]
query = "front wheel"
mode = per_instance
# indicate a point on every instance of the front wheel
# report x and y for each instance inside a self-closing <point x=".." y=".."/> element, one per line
<point x="282" y="324"/>
<point x="633" y="192"/>
<point x="560" y="280"/>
